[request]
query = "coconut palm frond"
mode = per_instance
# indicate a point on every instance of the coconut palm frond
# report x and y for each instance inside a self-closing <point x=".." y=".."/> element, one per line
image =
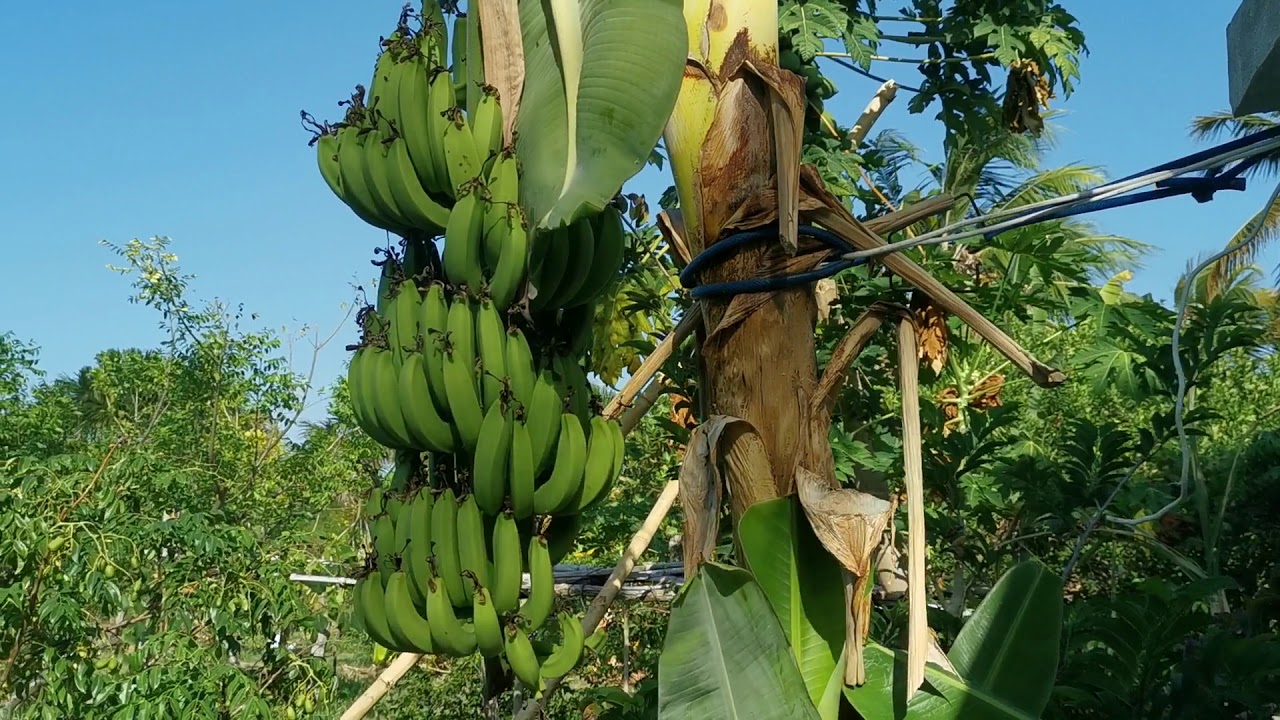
<point x="1245" y="247"/>
<point x="1222" y="122"/>
<point x="1051" y="183"/>
<point x="1108" y="254"/>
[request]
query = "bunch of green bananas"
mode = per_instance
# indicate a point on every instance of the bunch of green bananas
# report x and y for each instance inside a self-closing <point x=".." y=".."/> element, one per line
<point x="443" y="577"/>
<point x="470" y="364"/>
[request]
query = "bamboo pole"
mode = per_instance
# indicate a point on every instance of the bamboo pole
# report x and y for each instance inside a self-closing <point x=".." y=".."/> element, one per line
<point x="652" y="364"/>
<point x="381" y="686"/>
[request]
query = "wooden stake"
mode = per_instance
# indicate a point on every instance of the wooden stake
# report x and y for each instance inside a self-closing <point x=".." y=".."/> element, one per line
<point x="885" y="95"/>
<point x="652" y="364"/>
<point x="381" y="686"/>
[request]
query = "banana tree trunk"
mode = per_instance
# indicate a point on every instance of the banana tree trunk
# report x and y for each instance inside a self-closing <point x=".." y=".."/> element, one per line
<point x="721" y="143"/>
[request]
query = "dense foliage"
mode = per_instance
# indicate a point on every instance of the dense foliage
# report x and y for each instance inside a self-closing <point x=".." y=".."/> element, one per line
<point x="155" y="504"/>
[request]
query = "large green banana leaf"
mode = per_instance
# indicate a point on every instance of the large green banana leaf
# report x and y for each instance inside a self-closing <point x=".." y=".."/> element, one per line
<point x="806" y="593"/>
<point x="1009" y="647"/>
<point x="725" y="656"/>
<point x="943" y="697"/>
<point x="601" y="79"/>
<point x="1007" y="655"/>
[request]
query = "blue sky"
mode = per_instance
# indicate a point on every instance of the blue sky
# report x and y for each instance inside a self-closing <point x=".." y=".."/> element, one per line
<point x="181" y="119"/>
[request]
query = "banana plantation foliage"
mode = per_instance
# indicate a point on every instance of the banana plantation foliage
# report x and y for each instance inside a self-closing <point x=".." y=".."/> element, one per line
<point x="156" y="503"/>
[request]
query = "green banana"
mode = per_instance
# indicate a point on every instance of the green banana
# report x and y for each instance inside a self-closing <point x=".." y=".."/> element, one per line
<point x="542" y="584"/>
<point x="504" y="196"/>
<point x="520" y="470"/>
<point x="356" y="191"/>
<point x="387" y="279"/>
<point x="463" y="238"/>
<point x="384" y="103"/>
<point x="486" y="122"/>
<point x="375" y="504"/>
<point x="606" y="261"/>
<point x="377" y="176"/>
<point x="460" y="373"/>
<point x="458" y="50"/>
<point x="407" y="464"/>
<point x="434" y="34"/>
<point x="440" y="99"/>
<point x="520" y="366"/>
<point x="404" y="319"/>
<point x="451" y="636"/>
<point x="384" y="544"/>
<point x="508" y="278"/>
<point x="327" y="159"/>
<point x="362" y="398"/>
<point x="475" y="65"/>
<point x="580" y="322"/>
<point x="393" y="503"/>
<point x="598" y="467"/>
<point x="403" y="618"/>
<point x="419" y="209"/>
<point x="403" y="523"/>
<point x="566" y="655"/>
<point x="416" y="127"/>
<point x="522" y="659"/>
<point x="416" y="557"/>
<point x="577" y="388"/>
<point x="508" y="563"/>
<point x="472" y="548"/>
<point x="444" y="546"/>
<point x="491" y="346"/>
<point x="619" y="453"/>
<point x="552" y="252"/>
<point x="492" y="455"/>
<point x="582" y="249"/>
<point x="488" y="628"/>
<point x="382" y="377"/>
<point x="462" y="157"/>
<point x="370" y="596"/>
<point x="557" y="492"/>
<point x="433" y="321"/>
<point x="542" y="415"/>
<point x="561" y="534"/>
<point x="430" y="431"/>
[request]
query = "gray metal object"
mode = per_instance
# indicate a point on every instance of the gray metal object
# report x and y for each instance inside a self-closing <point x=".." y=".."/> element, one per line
<point x="1253" y="57"/>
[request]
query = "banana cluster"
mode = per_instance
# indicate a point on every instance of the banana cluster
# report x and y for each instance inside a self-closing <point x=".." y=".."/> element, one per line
<point x="444" y="578"/>
<point x="470" y="364"/>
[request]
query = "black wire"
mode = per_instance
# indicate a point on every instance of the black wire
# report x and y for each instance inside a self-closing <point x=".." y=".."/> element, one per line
<point x="722" y="249"/>
<point x="845" y="63"/>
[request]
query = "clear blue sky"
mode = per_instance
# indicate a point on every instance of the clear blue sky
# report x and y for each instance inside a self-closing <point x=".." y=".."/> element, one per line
<point x="181" y="119"/>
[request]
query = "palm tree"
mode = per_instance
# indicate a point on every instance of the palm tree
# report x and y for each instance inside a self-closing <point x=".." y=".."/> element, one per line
<point x="1246" y="245"/>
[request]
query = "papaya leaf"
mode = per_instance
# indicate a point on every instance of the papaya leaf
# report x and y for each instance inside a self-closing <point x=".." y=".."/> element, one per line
<point x="725" y="655"/>
<point x="601" y="79"/>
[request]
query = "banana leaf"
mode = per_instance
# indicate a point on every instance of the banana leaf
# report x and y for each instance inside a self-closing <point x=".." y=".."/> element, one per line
<point x="1007" y="655"/>
<point x="601" y="79"/>
<point x="1009" y="647"/>
<point x="807" y="594"/>
<point x="725" y="656"/>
